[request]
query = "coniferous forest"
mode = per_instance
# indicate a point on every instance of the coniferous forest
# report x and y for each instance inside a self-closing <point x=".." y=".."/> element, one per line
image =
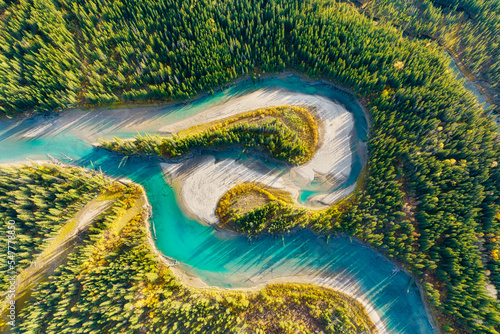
<point x="467" y="28"/>
<point x="431" y="197"/>
<point x="57" y="54"/>
<point x="40" y="200"/>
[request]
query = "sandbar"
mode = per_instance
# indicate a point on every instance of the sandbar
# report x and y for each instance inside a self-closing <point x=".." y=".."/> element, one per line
<point x="202" y="180"/>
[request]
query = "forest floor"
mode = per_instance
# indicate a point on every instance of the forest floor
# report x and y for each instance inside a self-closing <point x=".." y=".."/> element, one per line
<point x="202" y="180"/>
<point x="247" y="202"/>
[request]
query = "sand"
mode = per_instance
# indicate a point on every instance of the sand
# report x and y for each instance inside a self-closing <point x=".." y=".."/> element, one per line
<point x="202" y="181"/>
<point x="338" y="284"/>
<point x="330" y="166"/>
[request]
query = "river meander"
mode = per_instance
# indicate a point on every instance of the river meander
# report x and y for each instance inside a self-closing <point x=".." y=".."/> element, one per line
<point x="216" y="257"/>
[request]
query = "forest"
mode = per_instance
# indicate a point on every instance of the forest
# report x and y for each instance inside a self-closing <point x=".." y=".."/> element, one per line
<point x="114" y="282"/>
<point x="286" y="133"/>
<point x="59" y="54"/>
<point x="40" y="200"/>
<point x="431" y="196"/>
<point x="467" y="28"/>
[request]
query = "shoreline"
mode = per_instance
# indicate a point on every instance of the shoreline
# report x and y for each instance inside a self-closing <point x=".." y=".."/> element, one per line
<point x="400" y="265"/>
<point x="177" y="269"/>
<point x="193" y="282"/>
<point x="103" y="122"/>
<point x="332" y="283"/>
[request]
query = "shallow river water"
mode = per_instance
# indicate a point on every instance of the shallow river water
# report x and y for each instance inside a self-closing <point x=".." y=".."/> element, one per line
<point x="216" y="257"/>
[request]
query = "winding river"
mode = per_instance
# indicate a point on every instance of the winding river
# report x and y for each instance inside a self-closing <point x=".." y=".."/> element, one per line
<point x="216" y="257"/>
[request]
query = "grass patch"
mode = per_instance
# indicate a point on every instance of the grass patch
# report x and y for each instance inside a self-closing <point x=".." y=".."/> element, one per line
<point x="247" y="196"/>
<point x="252" y="208"/>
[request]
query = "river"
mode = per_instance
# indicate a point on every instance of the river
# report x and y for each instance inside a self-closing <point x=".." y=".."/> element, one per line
<point x="216" y="257"/>
<point x="469" y="85"/>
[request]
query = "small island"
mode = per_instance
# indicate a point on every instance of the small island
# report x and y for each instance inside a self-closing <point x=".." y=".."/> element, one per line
<point x="314" y="150"/>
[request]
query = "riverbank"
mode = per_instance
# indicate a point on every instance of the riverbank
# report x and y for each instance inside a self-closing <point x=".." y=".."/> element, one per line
<point x="339" y="285"/>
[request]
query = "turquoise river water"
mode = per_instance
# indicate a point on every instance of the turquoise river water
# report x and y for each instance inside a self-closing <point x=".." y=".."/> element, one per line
<point x="216" y="257"/>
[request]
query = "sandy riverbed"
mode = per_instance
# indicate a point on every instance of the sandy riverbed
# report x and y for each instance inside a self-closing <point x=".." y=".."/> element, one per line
<point x="201" y="181"/>
<point x="339" y="284"/>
